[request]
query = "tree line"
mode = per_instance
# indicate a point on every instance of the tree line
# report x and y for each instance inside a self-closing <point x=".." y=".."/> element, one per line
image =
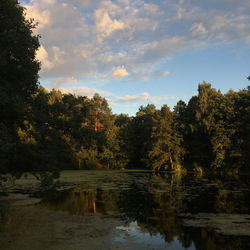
<point x="65" y="131"/>
<point x="45" y="130"/>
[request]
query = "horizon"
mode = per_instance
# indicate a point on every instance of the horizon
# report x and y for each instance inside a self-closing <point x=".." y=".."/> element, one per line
<point x="137" y="52"/>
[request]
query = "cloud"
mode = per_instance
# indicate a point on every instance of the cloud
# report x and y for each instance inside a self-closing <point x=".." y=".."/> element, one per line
<point x="198" y="29"/>
<point x="144" y="97"/>
<point x="135" y="98"/>
<point x="42" y="17"/>
<point x="58" y="55"/>
<point x="105" y="26"/>
<point x="119" y="73"/>
<point x="161" y="73"/>
<point x="83" y="91"/>
<point x="42" y="56"/>
<point x="87" y="39"/>
<point x="56" y="83"/>
<point x="147" y="73"/>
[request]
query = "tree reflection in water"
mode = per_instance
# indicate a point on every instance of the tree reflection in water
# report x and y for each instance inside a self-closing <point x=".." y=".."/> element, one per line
<point x="158" y="204"/>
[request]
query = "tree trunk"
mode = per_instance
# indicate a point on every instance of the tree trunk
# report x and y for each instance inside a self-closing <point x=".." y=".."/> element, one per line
<point x="170" y="159"/>
<point x="96" y="120"/>
<point x="94" y="207"/>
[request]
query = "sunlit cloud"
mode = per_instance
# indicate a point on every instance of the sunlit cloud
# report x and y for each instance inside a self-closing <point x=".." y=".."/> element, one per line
<point x="42" y="17"/>
<point x="105" y="26"/>
<point x="92" y="38"/>
<point x="57" y="83"/>
<point x="42" y="56"/>
<point x="110" y="97"/>
<point x="83" y="91"/>
<point x="119" y="73"/>
<point x="144" y="97"/>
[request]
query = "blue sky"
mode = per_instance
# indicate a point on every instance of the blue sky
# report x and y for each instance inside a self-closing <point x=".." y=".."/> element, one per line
<point x="135" y="52"/>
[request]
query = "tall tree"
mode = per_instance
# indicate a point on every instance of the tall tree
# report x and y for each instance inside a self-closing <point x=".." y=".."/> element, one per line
<point x="19" y="75"/>
<point x="165" y="141"/>
<point x="239" y="155"/>
<point x="140" y="133"/>
<point x="207" y="138"/>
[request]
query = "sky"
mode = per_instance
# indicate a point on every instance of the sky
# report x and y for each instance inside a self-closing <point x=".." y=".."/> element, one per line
<point x="135" y="52"/>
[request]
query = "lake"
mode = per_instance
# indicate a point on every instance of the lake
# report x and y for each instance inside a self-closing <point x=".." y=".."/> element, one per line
<point x="128" y="210"/>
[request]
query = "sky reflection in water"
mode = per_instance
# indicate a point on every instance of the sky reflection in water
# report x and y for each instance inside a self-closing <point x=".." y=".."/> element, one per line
<point x="156" y="209"/>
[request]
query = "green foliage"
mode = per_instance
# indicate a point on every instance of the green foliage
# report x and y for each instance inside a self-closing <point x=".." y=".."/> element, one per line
<point x="19" y="74"/>
<point x="212" y="130"/>
<point x="45" y="131"/>
<point x="137" y="134"/>
<point x="91" y="161"/>
<point x="165" y="141"/>
<point x="211" y="125"/>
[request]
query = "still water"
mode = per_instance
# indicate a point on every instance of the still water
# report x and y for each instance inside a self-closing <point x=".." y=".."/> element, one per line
<point x="129" y="210"/>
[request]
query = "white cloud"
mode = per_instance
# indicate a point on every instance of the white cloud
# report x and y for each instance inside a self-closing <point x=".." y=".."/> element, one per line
<point x="92" y="38"/>
<point x="161" y="73"/>
<point x="198" y="29"/>
<point x="42" y="56"/>
<point x="42" y="17"/>
<point x="110" y="97"/>
<point x="83" y="91"/>
<point x="180" y="13"/>
<point x="56" y="83"/>
<point x="119" y="73"/>
<point x="105" y="26"/>
<point x="149" y="73"/>
<point x="135" y="98"/>
<point x="144" y="97"/>
<point x="58" y="55"/>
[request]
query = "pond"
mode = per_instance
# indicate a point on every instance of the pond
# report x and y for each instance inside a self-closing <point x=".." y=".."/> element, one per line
<point x="128" y="210"/>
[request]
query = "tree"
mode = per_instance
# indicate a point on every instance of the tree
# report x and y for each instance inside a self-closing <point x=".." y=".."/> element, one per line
<point x="140" y="133"/>
<point x="19" y="67"/>
<point x="165" y="140"/>
<point x="19" y="75"/>
<point x="112" y="155"/>
<point x="206" y="136"/>
<point x="238" y="155"/>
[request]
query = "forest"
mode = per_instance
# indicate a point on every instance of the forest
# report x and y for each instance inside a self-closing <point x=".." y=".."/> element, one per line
<point x="43" y="130"/>
<point x="64" y="131"/>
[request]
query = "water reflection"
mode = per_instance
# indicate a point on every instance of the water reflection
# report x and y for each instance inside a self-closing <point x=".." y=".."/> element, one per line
<point x="140" y="235"/>
<point x="155" y="208"/>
